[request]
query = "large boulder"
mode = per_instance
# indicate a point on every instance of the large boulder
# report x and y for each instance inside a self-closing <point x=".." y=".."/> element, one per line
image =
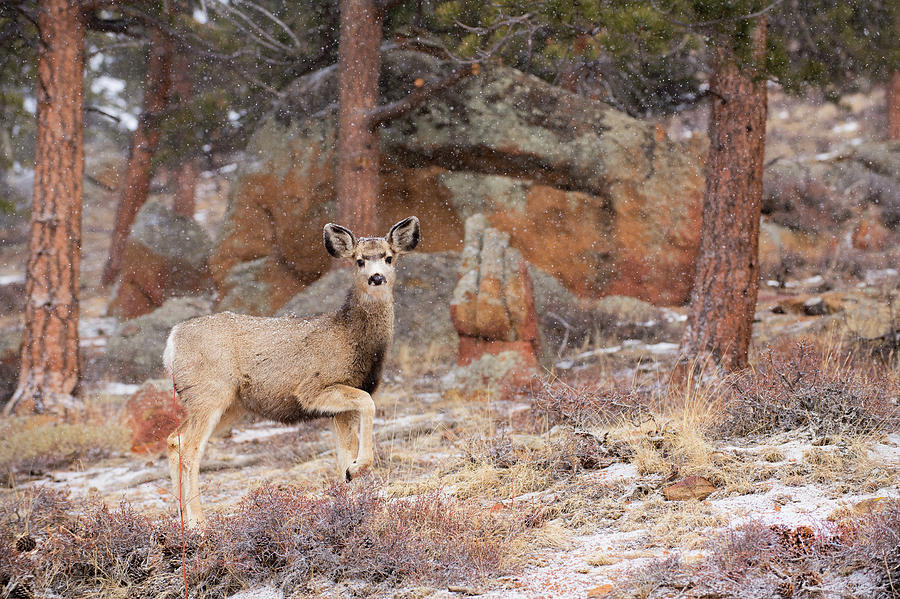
<point x="606" y="203"/>
<point x="165" y="256"/>
<point x="134" y="351"/>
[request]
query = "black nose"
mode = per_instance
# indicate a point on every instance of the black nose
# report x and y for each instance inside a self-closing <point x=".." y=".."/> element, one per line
<point x="376" y="279"/>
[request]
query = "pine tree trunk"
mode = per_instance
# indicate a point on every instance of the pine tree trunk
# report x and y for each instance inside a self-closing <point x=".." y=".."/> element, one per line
<point x="359" y="64"/>
<point x="186" y="173"/>
<point x="186" y="188"/>
<point x="143" y="147"/>
<point x="50" y="368"/>
<point x="723" y="300"/>
<point x="893" y="106"/>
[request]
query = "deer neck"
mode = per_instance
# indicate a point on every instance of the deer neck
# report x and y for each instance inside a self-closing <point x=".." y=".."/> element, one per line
<point x="372" y="317"/>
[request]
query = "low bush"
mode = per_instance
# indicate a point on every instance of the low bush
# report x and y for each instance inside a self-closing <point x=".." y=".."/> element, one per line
<point x="806" y="387"/>
<point x="276" y="535"/>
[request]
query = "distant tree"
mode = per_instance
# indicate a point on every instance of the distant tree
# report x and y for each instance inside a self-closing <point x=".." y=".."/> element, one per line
<point x="50" y="367"/>
<point x="144" y="144"/>
<point x="825" y="43"/>
<point x="185" y="173"/>
<point x="359" y="112"/>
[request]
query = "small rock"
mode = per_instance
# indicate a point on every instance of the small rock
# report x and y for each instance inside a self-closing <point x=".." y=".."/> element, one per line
<point x="601" y="591"/>
<point x="692" y="487"/>
<point x="815" y="306"/>
<point x="152" y="414"/>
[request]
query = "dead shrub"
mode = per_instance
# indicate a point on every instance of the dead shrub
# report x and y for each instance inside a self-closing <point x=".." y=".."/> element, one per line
<point x="277" y="534"/>
<point x="872" y="543"/>
<point x="585" y="408"/>
<point x="806" y="387"/>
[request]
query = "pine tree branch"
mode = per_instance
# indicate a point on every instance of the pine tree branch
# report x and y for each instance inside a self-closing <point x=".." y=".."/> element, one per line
<point x="389" y="112"/>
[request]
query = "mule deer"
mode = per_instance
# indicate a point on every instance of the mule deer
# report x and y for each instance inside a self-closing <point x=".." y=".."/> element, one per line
<point x="289" y="369"/>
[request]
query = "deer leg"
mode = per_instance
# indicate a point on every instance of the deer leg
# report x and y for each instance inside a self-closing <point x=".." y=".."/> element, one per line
<point x="346" y="427"/>
<point x="341" y="398"/>
<point x="186" y="446"/>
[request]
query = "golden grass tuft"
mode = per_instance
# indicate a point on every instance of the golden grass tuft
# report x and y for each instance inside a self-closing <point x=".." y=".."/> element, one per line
<point x="40" y="442"/>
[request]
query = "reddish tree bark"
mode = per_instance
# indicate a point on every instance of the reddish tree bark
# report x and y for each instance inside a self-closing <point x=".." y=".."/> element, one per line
<point x="186" y="173"/>
<point x="893" y="106"/>
<point x="723" y="300"/>
<point x="50" y="368"/>
<point x="143" y="147"/>
<point x="359" y="64"/>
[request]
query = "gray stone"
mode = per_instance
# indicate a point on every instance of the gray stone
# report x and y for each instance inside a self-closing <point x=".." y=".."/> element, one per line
<point x="134" y="351"/>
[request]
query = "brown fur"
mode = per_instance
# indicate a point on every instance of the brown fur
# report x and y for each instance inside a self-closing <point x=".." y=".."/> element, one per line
<point x="289" y="369"/>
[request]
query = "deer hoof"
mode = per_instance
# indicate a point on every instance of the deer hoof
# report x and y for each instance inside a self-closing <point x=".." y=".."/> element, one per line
<point x="355" y="469"/>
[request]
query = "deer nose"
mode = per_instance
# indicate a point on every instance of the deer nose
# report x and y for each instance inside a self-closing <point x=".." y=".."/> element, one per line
<point x="376" y="279"/>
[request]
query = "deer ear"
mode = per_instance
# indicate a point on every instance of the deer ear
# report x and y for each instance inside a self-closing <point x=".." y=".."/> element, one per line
<point x="404" y="236"/>
<point x="339" y="241"/>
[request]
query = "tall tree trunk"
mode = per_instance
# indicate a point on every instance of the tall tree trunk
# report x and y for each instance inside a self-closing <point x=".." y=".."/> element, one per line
<point x="143" y="147"/>
<point x="50" y="367"/>
<point x="359" y="64"/>
<point x="893" y="106"/>
<point x="723" y="300"/>
<point x="186" y="173"/>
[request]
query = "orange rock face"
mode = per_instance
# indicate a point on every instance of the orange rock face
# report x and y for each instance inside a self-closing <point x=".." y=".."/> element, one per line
<point x="606" y="203"/>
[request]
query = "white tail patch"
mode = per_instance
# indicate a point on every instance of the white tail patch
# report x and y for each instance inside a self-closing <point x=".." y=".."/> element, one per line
<point x="169" y="352"/>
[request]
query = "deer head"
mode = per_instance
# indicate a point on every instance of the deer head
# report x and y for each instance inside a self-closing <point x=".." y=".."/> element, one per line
<point x="374" y="258"/>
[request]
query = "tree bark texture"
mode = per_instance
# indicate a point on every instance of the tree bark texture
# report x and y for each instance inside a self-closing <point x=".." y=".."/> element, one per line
<point x="50" y="368"/>
<point x="893" y="106"/>
<point x="144" y="144"/>
<point x="186" y="173"/>
<point x="359" y="64"/>
<point x="723" y="300"/>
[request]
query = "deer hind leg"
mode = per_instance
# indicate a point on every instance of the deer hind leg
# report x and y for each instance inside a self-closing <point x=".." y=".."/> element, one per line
<point x="338" y="399"/>
<point x="346" y="437"/>
<point x="186" y="447"/>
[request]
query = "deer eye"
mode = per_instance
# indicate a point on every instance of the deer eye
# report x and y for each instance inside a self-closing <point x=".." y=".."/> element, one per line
<point x="389" y="259"/>
<point x="360" y="262"/>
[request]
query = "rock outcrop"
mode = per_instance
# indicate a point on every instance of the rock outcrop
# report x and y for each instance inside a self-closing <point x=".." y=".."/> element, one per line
<point x="493" y="305"/>
<point x="165" y="256"/>
<point x="606" y="203"/>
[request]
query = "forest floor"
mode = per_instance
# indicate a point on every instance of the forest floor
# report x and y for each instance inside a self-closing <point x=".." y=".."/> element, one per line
<point x="566" y="486"/>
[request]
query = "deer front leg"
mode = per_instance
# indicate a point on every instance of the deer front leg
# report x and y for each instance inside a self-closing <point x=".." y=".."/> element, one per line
<point x="346" y="438"/>
<point x="339" y="399"/>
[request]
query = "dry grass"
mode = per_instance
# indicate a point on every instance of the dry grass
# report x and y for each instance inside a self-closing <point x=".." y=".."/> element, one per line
<point x="813" y="387"/>
<point x="33" y="444"/>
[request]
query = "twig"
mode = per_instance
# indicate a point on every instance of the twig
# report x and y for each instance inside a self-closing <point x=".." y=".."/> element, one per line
<point x="388" y="112"/>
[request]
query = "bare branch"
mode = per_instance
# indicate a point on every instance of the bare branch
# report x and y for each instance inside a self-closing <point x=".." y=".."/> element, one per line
<point x="389" y="112"/>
